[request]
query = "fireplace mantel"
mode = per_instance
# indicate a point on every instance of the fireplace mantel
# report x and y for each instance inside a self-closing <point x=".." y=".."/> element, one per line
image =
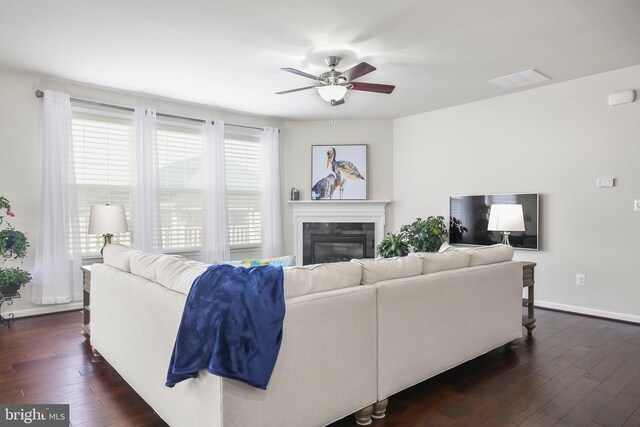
<point x="336" y="211"/>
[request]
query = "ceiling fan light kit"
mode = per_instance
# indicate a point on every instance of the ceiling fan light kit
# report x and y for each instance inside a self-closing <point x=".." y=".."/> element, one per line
<point x="333" y="85"/>
<point x="332" y="93"/>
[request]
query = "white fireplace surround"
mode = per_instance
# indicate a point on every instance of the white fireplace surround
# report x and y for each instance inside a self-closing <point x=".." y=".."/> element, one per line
<point x="323" y="211"/>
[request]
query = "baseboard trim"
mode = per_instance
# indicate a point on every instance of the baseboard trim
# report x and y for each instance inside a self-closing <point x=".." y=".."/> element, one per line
<point x="46" y="309"/>
<point x="589" y="311"/>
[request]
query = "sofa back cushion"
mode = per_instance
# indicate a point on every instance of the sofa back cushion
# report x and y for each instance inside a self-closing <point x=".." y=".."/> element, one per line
<point x="178" y="274"/>
<point x="380" y="269"/>
<point x="119" y="256"/>
<point x="433" y="262"/>
<point x="490" y="254"/>
<point x="310" y="279"/>
<point x="145" y="264"/>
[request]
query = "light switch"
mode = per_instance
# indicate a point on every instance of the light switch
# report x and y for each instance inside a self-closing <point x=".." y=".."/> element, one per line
<point x="636" y="205"/>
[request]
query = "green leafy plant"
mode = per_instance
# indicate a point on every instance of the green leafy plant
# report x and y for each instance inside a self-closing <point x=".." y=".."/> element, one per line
<point x="13" y="246"/>
<point x="13" y="278"/>
<point x="456" y="230"/>
<point x="13" y="243"/>
<point x="393" y="245"/>
<point x="425" y="235"/>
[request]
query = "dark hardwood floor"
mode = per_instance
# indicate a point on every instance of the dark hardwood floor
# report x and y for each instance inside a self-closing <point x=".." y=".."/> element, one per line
<point x="573" y="371"/>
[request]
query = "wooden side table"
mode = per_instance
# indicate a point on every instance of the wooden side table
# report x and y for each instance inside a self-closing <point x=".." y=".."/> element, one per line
<point x="86" y="302"/>
<point x="528" y="321"/>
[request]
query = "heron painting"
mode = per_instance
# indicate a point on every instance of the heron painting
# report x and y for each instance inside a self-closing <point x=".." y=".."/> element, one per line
<point x="339" y="170"/>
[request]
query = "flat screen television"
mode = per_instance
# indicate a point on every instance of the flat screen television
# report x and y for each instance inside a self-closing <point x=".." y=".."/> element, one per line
<point x="472" y="212"/>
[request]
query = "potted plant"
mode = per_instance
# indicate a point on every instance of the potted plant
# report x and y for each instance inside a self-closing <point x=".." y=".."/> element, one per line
<point x="12" y="279"/>
<point x="393" y="245"/>
<point x="13" y="246"/>
<point x="425" y="235"/>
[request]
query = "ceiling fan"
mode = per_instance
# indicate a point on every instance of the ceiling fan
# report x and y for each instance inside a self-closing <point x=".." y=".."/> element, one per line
<point x="333" y="85"/>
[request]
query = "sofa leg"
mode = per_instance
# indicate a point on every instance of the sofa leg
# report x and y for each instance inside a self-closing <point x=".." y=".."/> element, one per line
<point x="513" y="344"/>
<point x="96" y="357"/>
<point x="380" y="409"/>
<point x="363" y="416"/>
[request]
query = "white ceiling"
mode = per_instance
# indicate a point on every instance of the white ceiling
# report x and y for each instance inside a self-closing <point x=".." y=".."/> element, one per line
<point x="228" y="53"/>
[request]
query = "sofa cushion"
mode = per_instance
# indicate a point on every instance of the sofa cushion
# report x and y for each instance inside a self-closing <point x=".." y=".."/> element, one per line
<point x="310" y="279"/>
<point x="145" y="264"/>
<point x="490" y="254"/>
<point x="178" y="274"/>
<point x="119" y="256"/>
<point x="450" y="259"/>
<point x="379" y="269"/>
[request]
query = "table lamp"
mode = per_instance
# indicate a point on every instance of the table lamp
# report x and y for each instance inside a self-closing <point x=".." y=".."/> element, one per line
<point x="506" y="218"/>
<point x="107" y="220"/>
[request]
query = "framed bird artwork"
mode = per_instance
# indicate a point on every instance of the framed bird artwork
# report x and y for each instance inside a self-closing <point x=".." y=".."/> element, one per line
<point x="339" y="172"/>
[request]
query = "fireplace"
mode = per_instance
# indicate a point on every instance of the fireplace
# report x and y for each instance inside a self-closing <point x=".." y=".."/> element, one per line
<point x="338" y="229"/>
<point x="337" y="241"/>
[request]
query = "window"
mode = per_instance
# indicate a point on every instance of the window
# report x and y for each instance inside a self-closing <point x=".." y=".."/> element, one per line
<point x="181" y="187"/>
<point x="103" y="159"/>
<point x="242" y="161"/>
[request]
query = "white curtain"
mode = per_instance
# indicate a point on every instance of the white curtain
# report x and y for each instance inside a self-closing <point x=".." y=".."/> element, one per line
<point x="216" y="244"/>
<point x="146" y="218"/>
<point x="57" y="275"/>
<point x="271" y="200"/>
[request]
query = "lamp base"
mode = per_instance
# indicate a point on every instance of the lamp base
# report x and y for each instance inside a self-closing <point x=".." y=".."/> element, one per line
<point x="505" y="238"/>
<point x="107" y="239"/>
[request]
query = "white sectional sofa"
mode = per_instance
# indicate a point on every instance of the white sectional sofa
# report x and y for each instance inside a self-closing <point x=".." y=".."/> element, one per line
<point x="354" y="333"/>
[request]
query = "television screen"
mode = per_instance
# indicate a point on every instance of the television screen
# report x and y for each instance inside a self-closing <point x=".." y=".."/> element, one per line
<point x="469" y="217"/>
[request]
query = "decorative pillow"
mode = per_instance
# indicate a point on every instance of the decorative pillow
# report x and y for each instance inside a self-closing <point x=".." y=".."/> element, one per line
<point x="450" y="259"/>
<point x="285" y="261"/>
<point x="379" y="269"/>
<point x="310" y="279"/>
<point x="446" y="247"/>
<point x="490" y="254"/>
<point x="118" y="256"/>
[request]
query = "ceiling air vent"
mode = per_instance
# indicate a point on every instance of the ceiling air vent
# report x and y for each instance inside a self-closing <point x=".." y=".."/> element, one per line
<point x="523" y="78"/>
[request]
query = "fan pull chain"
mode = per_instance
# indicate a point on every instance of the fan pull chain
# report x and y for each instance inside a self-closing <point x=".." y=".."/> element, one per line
<point x="333" y="116"/>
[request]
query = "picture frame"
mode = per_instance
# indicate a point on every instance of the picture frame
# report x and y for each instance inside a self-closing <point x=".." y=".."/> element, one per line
<point x="339" y="172"/>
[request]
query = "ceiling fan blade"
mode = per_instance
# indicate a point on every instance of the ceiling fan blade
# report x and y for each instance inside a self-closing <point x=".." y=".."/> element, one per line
<point x="294" y="90"/>
<point x="300" y="73"/>
<point x="358" y="71"/>
<point x="372" y="87"/>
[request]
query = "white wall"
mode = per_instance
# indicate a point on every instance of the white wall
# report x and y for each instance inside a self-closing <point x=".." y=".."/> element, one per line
<point x="555" y="140"/>
<point x="296" y="141"/>
<point x="20" y="139"/>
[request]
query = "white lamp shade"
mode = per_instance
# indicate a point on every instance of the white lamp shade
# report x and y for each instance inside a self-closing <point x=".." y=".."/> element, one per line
<point x="506" y="218"/>
<point x="107" y="219"/>
<point x="332" y="92"/>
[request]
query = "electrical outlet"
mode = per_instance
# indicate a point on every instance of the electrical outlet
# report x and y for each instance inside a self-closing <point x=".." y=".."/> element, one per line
<point x="605" y="182"/>
<point x="581" y="279"/>
<point x="636" y="205"/>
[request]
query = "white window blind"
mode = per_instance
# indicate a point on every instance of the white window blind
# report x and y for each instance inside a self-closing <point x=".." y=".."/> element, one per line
<point x="103" y="160"/>
<point x="242" y="161"/>
<point x="181" y="187"/>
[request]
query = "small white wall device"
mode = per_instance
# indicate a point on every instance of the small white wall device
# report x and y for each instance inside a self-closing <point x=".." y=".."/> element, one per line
<point x="624" y="97"/>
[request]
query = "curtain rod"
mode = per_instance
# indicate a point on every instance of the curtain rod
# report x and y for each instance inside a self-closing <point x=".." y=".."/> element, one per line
<point x="40" y="94"/>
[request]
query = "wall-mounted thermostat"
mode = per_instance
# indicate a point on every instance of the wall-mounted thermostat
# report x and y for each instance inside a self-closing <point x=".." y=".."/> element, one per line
<point x="605" y="182"/>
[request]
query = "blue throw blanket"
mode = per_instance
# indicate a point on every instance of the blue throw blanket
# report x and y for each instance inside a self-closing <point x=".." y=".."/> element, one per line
<point x="231" y="325"/>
